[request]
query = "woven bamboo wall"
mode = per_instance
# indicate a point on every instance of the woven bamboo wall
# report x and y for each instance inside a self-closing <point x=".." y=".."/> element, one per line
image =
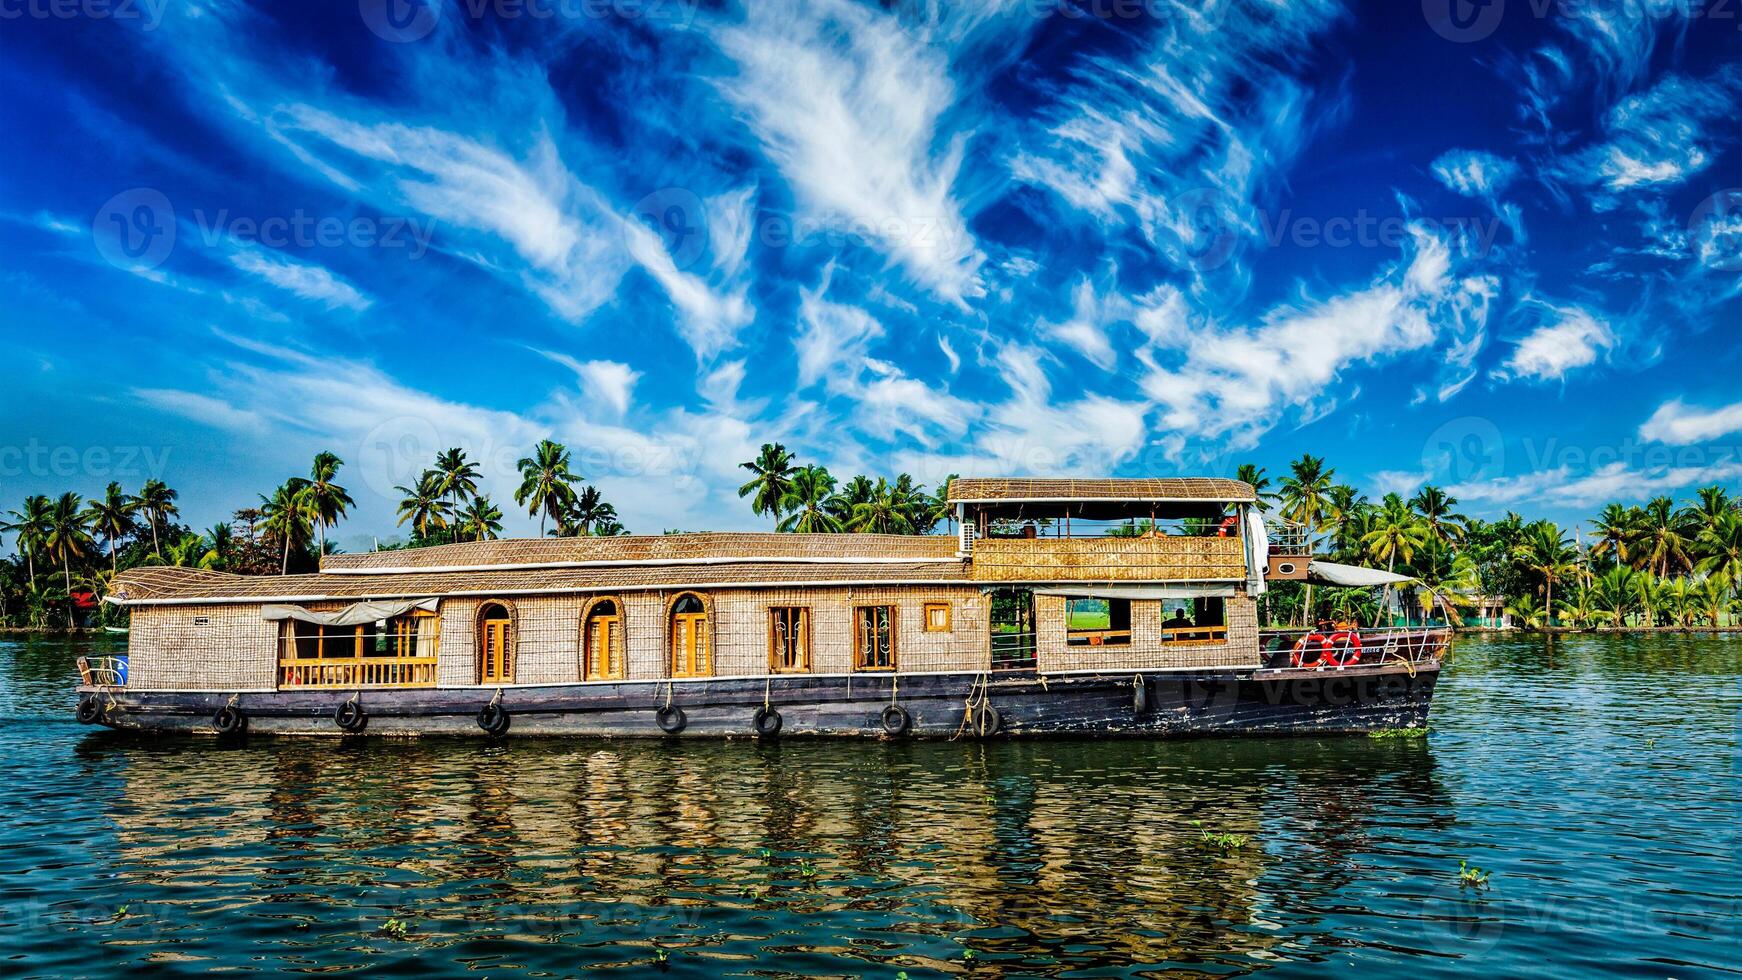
<point x="547" y="632"/>
<point x="201" y="648"/>
<point x="1146" y="649"/>
<point x="1173" y="558"/>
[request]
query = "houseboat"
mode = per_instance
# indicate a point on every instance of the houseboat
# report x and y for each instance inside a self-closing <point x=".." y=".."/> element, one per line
<point x="1058" y="607"/>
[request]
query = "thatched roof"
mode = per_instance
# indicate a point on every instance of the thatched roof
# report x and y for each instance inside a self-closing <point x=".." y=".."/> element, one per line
<point x="1063" y="491"/>
<point x="702" y="548"/>
<point x="168" y="584"/>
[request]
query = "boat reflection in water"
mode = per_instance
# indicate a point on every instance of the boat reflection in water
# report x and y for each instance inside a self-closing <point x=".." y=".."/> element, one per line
<point x="816" y="857"/>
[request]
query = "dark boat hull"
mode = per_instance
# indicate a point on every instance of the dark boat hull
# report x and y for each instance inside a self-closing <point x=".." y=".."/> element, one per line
<point x="1153" y="704"/>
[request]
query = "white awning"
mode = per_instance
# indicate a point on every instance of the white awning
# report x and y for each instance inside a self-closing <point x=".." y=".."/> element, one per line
<point x="1181" y="590"/>
<point x="356" y="614"/>
<point x="1331" y="573"/>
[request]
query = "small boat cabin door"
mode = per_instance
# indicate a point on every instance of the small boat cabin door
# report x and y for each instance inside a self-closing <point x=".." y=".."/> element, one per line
<point x="690" y="655"/>
<point x="1011" y="619"/>
<point x="495" y="645"/>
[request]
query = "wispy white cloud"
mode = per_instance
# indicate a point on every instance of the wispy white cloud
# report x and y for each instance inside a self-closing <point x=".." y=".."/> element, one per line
<point x="1566" y="338"/>
<point x="1679" y="424"/>
<point x="851" y="108"/>
<point x="1565" y="487"/>
<point x="1658" y="137"/>
<point x="1232" y="382"/>
<point x="1475" y="173"/>
<point x="1213" y="111"/>
<point x="311" y="282"/>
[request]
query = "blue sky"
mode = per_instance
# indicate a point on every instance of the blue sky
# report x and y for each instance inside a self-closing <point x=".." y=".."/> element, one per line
<point x="1496" y="247"/>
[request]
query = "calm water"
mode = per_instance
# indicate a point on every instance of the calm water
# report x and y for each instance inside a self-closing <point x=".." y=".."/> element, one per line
<point x="1597" y="779"/>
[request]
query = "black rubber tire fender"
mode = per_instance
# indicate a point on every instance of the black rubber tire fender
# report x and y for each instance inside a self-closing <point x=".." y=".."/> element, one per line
<point x="670" y="719"/>
<point x="90" y="710"/>
<point x="493" y="719"/>
<point x="896" y="721"/>
<point x="1140" y="697"/>
<point x="351" y="717"/>
<point x="766" y="721"/>
<point x="230" y="720"/>
<point x="988" y="721"/>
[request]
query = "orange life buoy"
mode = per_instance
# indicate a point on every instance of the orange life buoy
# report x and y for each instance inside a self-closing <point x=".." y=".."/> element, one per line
<point x="1313" y="645"/>
<point x="1227" y="525"/>
<point x="1344" y="649"/>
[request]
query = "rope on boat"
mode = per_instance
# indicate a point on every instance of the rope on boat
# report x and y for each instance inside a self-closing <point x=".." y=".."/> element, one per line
<point x="669" y="691"/>
<point x="894" y="686"/>
<point x="767" y="692"/>
<point x="973" y="704"/>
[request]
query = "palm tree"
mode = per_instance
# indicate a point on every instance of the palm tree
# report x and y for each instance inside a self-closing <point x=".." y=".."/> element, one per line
<point x="883" y="513"/>
<point x="459" y="476"/>
<point x="1713" y="596"/>
<point x="1710" y="503"/>
<point x="482" y="520"/>
<point x="806" y="502"/>
<point x="1650" y="591"/>
<point x="157" y="502"/>
<point x="1720" y="547"/>
<point x="1663" y="535"/>
<point x="326" y="500"/>
<point x="31" y="527"/>
<point x="288" y="518"/>
<point x="1546" y="552"/>
<point x="1304" y="493"/>
<point x="773" y="471"/>
<point x="222" y="542"/>
<point x="589" y="511"/>
<point x="1681" y="600"/>
<point x="1397" y="532"/>
<point x="423" y="505"/>
<point x="1435" y="507"/>
<point x="187" y="551"/>
<point x="939" y="504"/>
<point x="1616" y="527"/>
<point x="67" y="538"/>
<point x="1345" y="510"/>
<point x="1528" y="611"/>
<point x="1615" y="593"/>
<point x="1254" y="475"/>
<point x="915" y="505"/>
<point x="546" y="485"/>
<point x="1580" y="610"/>
<point x="112" y="517"/>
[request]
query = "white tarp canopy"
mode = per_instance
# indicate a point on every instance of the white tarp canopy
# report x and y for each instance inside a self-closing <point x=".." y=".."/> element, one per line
<point x="1331" y="573"/>
<point x="1182" y="590"/>
<point x="356" y="614"/>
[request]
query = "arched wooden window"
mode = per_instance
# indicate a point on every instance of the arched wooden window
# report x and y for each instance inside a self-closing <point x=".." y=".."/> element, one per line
<point x="692" y="653"/>
<point x="602" y="641"/>
<point x="495" y="644"/>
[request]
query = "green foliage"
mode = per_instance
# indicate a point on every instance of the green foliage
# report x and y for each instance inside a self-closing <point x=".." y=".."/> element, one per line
<point x="1470" y="876"/>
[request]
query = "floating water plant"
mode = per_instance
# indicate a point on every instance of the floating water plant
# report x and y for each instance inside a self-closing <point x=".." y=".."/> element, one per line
<point x="1398" y="733"/>
<point x="1216" y="841"/>
<point x="396" y="929"/>
<point x="1471" y="877"/>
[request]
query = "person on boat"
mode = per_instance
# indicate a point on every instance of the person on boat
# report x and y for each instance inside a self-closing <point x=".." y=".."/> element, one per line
<point x="1179" y="621"/>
